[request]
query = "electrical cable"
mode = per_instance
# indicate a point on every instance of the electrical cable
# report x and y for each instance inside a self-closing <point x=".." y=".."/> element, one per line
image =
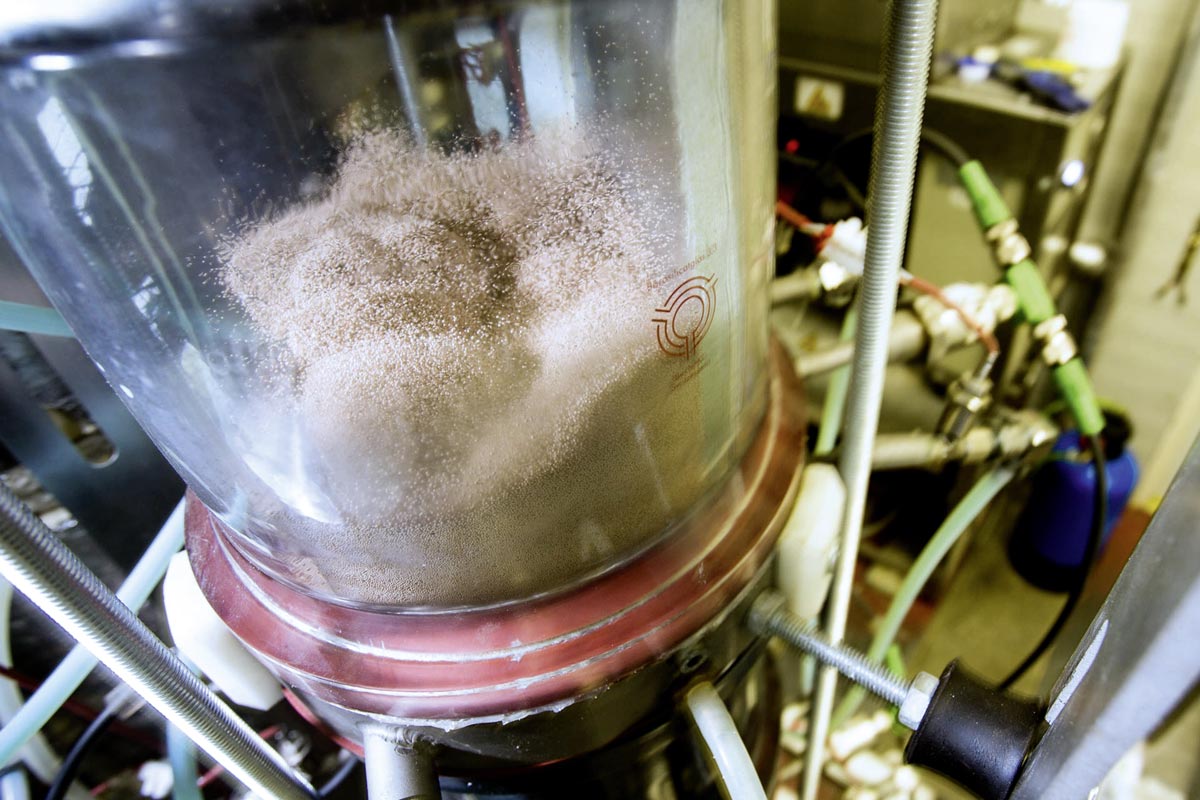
<point x="39" y="565"/>
<point x="338" y="778"/>
<point x="931" y="289"/>
<point x="799" y="221"/>
<point x="944" y="146"/>
<point x="839" y="176"/>
<point x="932" y="139"/>
<point x="74" y="757"/>
<point x="218" y="770"/>
<point x="1095" y="536"/>
<point x="81" y="711"/>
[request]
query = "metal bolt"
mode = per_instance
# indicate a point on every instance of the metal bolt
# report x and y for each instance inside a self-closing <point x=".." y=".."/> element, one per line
<point x="768" y="616"/>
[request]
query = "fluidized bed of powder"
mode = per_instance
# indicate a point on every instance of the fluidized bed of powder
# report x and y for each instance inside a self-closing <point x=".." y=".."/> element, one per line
<point x="461" y="329"/>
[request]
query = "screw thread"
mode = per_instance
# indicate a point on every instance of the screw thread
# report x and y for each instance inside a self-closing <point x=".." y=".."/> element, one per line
<point x="805" y="636"/>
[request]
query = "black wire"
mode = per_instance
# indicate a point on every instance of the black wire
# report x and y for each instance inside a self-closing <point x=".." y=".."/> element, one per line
<point x="1095" y="536"/>
<point x="935" y="140"/>
<point x="74" y="757"/>
<point x="338" y="778"/>
<point x="835" y="172"/>
<point x="944" y="146"/>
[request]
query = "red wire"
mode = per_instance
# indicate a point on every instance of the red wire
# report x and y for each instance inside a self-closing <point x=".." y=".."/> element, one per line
<point x="803" y="223"/>
<point x="208" y="777"/>
<point x="791" y="215"/>
<point x="795" y="218"/>
<point x="933" y="290"/>
<point x="82" y="710"/>
<point x="217" y="769"/>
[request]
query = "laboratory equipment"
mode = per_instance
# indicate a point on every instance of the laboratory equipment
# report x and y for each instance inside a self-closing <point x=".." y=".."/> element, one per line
<point x="453" y="317"/>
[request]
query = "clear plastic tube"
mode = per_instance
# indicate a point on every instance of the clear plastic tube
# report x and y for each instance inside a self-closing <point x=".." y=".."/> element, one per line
<point x="970" y="507"/>
<point x="69" y="674"/>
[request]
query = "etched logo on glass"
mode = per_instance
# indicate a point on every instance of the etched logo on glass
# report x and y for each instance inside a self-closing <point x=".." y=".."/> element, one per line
<point x="686" y="316"/>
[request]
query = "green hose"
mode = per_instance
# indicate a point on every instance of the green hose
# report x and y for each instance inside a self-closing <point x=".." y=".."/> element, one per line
<point x="1037" y="305"/>
<point x="974" y="502"/>
<point x="835" y="393"/>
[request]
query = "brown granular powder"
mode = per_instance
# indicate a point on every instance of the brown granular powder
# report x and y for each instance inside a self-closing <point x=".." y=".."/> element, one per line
<point x="469" y="341"/>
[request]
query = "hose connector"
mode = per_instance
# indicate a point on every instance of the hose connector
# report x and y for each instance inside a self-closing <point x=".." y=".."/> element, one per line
<point x="1058" y="345"/>
<point x="966" y="399"/>
<point x="1009" y="245"/>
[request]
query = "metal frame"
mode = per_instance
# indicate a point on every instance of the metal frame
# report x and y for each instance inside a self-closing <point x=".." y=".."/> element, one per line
<point x="1138" y="660"/>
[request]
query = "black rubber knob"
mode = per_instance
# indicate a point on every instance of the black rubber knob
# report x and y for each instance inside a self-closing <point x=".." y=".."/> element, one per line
<point x="974" y="735"/>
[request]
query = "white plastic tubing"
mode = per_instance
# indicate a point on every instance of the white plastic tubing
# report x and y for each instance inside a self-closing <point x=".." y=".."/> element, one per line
<point x="735" y="769"/>
<point x="66" y="678"/>
<point x="36" y="753"/>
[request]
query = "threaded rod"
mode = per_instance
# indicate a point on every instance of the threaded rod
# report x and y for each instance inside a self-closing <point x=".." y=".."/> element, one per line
<point x="42" y="568"/>
<point x="768" y="616"/>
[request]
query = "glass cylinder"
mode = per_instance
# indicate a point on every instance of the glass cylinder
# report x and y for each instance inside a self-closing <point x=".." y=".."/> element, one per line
<point x="440" y="306"/>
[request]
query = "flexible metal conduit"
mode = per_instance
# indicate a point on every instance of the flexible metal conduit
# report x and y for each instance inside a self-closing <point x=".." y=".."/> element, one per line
<point x="908" y="49"/>
<point x="45" y="571"/>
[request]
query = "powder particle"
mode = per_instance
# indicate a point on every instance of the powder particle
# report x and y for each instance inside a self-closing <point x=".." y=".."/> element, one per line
<point x="469" y="343"/>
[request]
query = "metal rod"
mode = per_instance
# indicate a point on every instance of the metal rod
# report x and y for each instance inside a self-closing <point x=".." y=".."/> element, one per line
<point x="906" y="340"/>
<point x="396" y="771"/>
<point x="735" y="769"/>
<point x="768" y="616"/>
<point x="44" y="570"/>
<point x="908" y="49"/>
<point x="402" y="74"/>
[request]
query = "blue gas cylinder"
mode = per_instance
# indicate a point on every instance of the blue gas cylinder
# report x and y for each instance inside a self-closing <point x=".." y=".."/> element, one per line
<point x="1048" y="545"/>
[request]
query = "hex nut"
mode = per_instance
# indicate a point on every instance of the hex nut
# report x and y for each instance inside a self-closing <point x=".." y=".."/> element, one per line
<point x="916" y="702"/>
